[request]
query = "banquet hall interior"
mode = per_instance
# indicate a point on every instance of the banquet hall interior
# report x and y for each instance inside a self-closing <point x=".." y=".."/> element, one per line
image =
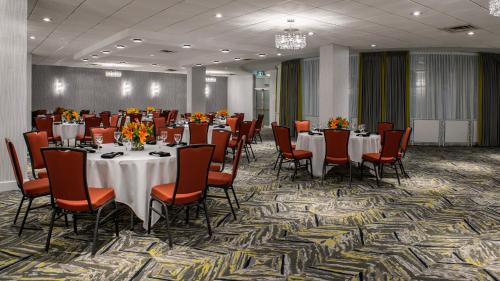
<point x="250" y="140"/>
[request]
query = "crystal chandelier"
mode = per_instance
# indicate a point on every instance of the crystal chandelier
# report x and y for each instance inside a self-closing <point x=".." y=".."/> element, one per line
<point x="495" y="7"/>
<point x="290" y="39"/>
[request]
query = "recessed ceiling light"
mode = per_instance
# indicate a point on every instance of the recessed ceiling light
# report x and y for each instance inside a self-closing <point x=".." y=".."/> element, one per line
<point x="94" y="64"/>
<point x="310" y="33"/>
<point x="225" y="51"/>
<point x="198" y="64"/>
<point x="32" y="37"/>
<point x="106" y="52"/>
<point x="85" y="59"/>
<point x="237" y="58"/>
<point x="470" y="33"/>
<point x="373" y="45"/>
<point x="95" y="56"/>
<point x="417" y="13"/>
<point x="216" y="61"/>
<point x="186" y="46"/>
<point x="120" y="46"/>
<point x="262" y="55"/>
<point x="218" y="15"/>
<point x="151" y="55"/>
<point x="46" y="19"/>
<point x="137" y="40"/>
<point x="278" y="54"/>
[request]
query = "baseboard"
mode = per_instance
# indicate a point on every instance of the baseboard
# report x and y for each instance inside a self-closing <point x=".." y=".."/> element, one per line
<point x="8" y="185"/>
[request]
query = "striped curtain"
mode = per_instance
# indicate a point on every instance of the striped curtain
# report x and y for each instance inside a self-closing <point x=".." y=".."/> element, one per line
<point x="290" y="94"/>
<point x="489" y="99"/>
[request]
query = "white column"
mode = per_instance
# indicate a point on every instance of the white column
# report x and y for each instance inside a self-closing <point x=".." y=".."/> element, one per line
<point x="333" y="82"/>
<point x="13" y="85"/>
<point x="196" y="99"/>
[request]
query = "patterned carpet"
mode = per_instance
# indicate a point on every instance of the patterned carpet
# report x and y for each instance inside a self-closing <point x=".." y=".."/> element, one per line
<point x="441" y="224"/>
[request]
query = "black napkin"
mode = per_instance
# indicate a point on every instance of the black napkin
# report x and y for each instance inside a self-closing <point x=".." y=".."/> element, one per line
<point x="221" y="126"/>
<point x="94" y="146"/>
<point x="56" y="123"/>
<point x="357" y="131"/>
<point x="151" y="142"/>
<point x="160" y="153"/>
<point x="364" y="135"/>
<point x="111" y="155"/>
<point x="311" y="133"/>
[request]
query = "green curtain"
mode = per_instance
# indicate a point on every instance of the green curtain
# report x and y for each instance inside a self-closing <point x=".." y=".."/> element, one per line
<point x="489" y="99"/>
<point x="384" y="91"/>
<point x="290" y="94"/>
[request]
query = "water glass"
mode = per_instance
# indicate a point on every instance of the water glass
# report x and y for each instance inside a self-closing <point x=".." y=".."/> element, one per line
<point x="158" y="141"/>
<point x="127" y="144"/>
<point x="164" y="136"/>
<point x="177" y="138"/>
<point x="117" y="136"/>
<point x="98" y="139"/>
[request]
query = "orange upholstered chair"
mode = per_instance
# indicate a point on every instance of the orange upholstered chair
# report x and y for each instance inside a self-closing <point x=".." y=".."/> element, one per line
<point x="171" y="132"/>
<point x="67" y="172"/>
<point x="30" y="190"/>
<point x="45" y="124"/>
<point x="34" y="141"/>
<point x="226" y="180"/>
<point x="402" y="152"/>
<point x="159" y="123"/>
<point x="108" y="134"/>
<point x="90" y="122"/>
<point x="381" y="128"/>
<point x="114" y="120"/>
<point x="250" y="137"/>
<point x="337" y="153"/>
<point x="198" y="133"/>
<point x="388" y="156"/>
<point x="172" y="116"/>
<point x="135" y="117"/>
<point x="220" y="138"/>
<point x="105" y="115"/>
<point x="156" y="113"/>
<point x="234" y="124"/>
<point x="244" y="131"/>
<point x="289" y="154"/>
<point x="258" y="126"/>
<point x="302" y="126"/>
<point x="193" y="163"/>
<point x="211" y="117"/>
<point x="57" y="117"/>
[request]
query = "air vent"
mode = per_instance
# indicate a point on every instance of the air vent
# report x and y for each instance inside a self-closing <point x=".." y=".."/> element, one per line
<point x="459" y="28"/>
<point x="170" y="69"/>
<point x="166" y="51"/>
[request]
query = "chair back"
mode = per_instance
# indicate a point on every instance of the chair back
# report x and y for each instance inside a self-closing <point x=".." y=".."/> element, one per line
<point x="159" y="123"/>
<point x="273" y="127"/>
<point x="156" y="113"/>
<point x="251" y="132"/>
<point x="108" y="134"/>
<point x="172" y="116"/>
<point x="241" y="117"/>
<point x="91" y="122"/>
<point x="105" y="119"/>
<point x="67" y="171"/>
<point x="57" y="117"/>
<point x="245" y="128"/>
<point x="187" y="115"/>
<point x="284" y="141"/>
<point x="233" y="123"/>
<point x="44" y="124"/>
<point x="392" y="144"/>
<point x="198" y="133"/>
<point x="382" y="127"/>
<point x="84" y="111"/>
<point x="193" y="163"/>
<point x="302" y="126"/>
<point x="220" y="138"/>
<point x="35" y="141"/>
<point x="15" y="164"/>
<point x="114" y="120"/>
<point x="237" y="157"/>
<point x="85" y="116"/>
<point x="135" y="117"/>
<point x="337" y="143"/>
<point x="405" y="141"/>
<point x="171" y="131"/>
<point x="260" y="121"/>
<point x="211" y="118"/>
<point x="123" y="119"/>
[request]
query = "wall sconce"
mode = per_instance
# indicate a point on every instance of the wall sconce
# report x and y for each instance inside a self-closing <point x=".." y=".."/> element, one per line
<point x="59" y="87"/>
<point x="210" y="79"/>
<point x="155" y="89"/>
<point x="207" y="90"/>
<point x="126" y="88"/>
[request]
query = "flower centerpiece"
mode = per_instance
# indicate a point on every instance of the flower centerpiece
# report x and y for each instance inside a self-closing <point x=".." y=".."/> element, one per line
<point x="137" y="133"/>
<point x="222" y="114"/>
<point x="150" y="109"/>
<point x="133" y="110"/>
<point x="198" y="117"/>
<point x="70" y="115"/>
<point x="338" y="123"/>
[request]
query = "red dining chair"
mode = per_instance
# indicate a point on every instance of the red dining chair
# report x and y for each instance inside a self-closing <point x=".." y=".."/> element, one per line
<point x="45" y="124"/>
<point x="108" y="134"/>
<point x="67" y="170"/>
<point x="159" y="123"/>
<point x="135" y="117"/>
<point x="220" y="138"/>
<point x="302" y="126"/>
<point x="245" y="128"/>
<point x="258" y="126"/>
<point x="234" y="124"/>
<point x="402" y="151"/>
<point x="210" y="117"/>
<point x="226" y="180"/>
<point x="198" y="133"/>
<point x="30" y="190"/>
<point x="172" y="116"/>
<point x="388" y="156"/>
<point x="123" y="120"/>
<point x="105" y="115"/>
<point x="84" y="111"/>
<point x="171" y="132"/>
<point x="114" y="120"/>
<point x="382" y="127"/>
<point x="90" y="122"/>
<point x="288" y="154"/>
<point x="57" y="117"/>
<point x="156" y="113"/>
<point x="189" y="189"/>
<point x="34" y="141"/>
<point x="250" y="137"/>
<point x="337" y="150"/>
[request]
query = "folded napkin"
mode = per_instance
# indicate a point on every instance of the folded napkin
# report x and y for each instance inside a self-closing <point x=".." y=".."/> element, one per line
<point x="111" y="155"/>
<point x="172" y="144"/>
<point x="94" y="146"/>
<point x="151" y="142"/>
<point x="221" y="126"/>
<point x="314" y="133"/>
<point x="363" y="135"/>
<point x="159" y="153"/>
<point x="56" y="123"/>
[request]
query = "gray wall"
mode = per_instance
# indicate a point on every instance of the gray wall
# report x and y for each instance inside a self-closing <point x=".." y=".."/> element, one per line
<point x="89" y="88"/>
<point x="217" y="99"/>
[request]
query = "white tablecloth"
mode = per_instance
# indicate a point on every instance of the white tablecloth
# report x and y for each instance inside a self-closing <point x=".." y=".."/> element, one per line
<point x="316" y="144"/>
<point x="133" y="175"/>
<point x="68" y="131"/>
<point x="185" y="135"/>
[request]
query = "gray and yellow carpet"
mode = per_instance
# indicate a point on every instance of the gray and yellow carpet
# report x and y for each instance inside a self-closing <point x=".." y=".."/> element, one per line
<point x="441" y="224"/>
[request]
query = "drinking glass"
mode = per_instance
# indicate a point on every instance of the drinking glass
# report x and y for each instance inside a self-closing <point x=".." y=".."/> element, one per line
<point x="164" y="136"/>
<point x="127" y="144"/>
<point x="177" y="138"/>
<point x="98" y="139"/>
<point x="158" y="141"/>
<point x="117" y="136"/>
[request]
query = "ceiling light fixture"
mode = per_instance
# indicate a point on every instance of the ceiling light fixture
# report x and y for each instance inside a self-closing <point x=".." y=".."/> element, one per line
<point x="32" y="37"/>
<point x="262" y="55"/>
<point x="237" y="58"/>
<point x="186" y="46"/>
<point x="310" y="33"/>
<point x="278" y="54"/>
<point x="120" y="46"/>
<point x="47" y="19"/>
<point x="225" y="51"/>
<point x="216" y="61"/>
<point x="106" y="52"/>
<point x="154" y="64"/>
<point x="151" y="55"/>
<point x="416" y="13"/>
<point x="137" y="40"/>
<point x="94" y="56"/>
<point x="471" y="33"/>
<point x="495" y="8"/>
<point x="198" y="64"/>
<point x="290" y="39"/>
<point x="373" y="45"/>
<point x="85" y="59"/>
<point x="218" y="15"/>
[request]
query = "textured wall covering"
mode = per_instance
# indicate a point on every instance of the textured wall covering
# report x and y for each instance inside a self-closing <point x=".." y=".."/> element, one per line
<point x="13" y="93"/>
<point x="217" y="98"/>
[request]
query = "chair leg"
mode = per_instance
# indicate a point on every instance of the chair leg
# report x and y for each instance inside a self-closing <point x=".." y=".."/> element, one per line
<point x="375" y="167"/>
<point x="149" y="216"/>
<point x="279" y="168"/>
<point x="350" y="175"/>
<point x="361" y="170"/>
<point x="66" y="220"/>
<point x="235" y="198"/>
<point x="403" y="171"/>
<point x="397" y="173"/>
<point x="19" y="209"/>
<point x="187" y="215"/>
<point x="311" y="165"/>
<point x="115" y="218"/>
<point x="168" y="225"/>
<point x="276" y="162"/>
<point x="96" y="230"/>
<point x="206" y="217"/>
<point x="260" y="137"/>
<point x="51" y="226"/>
<point x="25" y="216"/>
<point x="131" y="219"/>
<point x="381" y="171"/>
<point x="75" y="228"/>
<point x="246" y="152"/>
<point x="294" y="171"/>
<point x="324" y="172"/>
<point x="253" y="154"/>
<point x="230" y="204"/>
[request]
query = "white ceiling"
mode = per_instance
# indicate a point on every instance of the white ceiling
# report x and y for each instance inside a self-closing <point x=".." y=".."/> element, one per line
<point x="81" y="28"/>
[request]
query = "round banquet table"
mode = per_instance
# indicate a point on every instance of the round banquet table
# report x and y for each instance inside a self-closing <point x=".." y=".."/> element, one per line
<point x="68" y="131"/>
<point x="185" y="135"/>
<point x="316" y="144"/>
<point x="132" y="175"/>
